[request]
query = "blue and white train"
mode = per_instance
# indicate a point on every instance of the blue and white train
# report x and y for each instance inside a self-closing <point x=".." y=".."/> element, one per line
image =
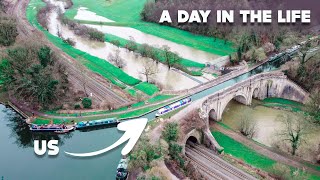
<point x="173" y="107"/>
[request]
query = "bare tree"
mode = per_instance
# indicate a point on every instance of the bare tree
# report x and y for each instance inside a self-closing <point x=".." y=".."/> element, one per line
<point x="313" y="106"/>
<point x="295" y="128"/>
<point x="170" y="57"/>
<point x="116" y="59"/>
<point x="247" y="126"/>
<point x="149" y="69"/>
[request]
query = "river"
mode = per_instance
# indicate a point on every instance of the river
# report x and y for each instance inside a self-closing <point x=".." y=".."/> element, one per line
<point x="18" y="160"/>
<point x="134" y="64"/>
<point x="268" y="126"/>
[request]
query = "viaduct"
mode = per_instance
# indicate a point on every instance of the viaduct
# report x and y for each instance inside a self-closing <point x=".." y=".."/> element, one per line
<point x="260" y="86"/>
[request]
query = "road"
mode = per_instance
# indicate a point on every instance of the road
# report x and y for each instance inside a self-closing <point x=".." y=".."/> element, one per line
<point x="212" y="166"/>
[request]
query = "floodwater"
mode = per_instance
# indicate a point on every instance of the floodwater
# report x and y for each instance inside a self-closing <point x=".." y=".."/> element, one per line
<point x="268" y="126"/>
<point x="141" y="38"/>
<point x="18" y="160"/>
<point x="86" y="15"/>
<point x="167" y="79"/>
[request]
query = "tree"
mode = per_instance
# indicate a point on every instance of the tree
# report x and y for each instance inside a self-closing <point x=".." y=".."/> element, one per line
<point x="116" y="59"/>
<point x="149" y="69"/>
<point x="87" y="103"/>
<point x="313" y="106"/>
<point x="170" y="58"/>
<point x="44" y="56"/>
<point x="170" y="132"/>
<point x="303" y="52"/>
<point x="295" y="128"/>
<point x="131" y="45"/>
<point x="247" y="126"/>
<point x="8" y="30"/>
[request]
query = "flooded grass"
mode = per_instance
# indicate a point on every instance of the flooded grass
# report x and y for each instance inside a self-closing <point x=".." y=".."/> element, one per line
<point x="95" y="64"/>
<point x="128" y="11"/>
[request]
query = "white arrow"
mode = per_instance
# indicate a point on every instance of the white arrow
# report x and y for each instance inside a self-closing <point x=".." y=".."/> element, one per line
<point x="133" y="130"/>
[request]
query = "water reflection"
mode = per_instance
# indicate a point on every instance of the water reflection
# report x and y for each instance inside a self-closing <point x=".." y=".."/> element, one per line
<point x="24" y="138"/>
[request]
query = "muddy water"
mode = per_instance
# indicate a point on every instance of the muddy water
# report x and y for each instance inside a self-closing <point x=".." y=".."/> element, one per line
<point x="140" y="37"/>
<point x="168" y="79"/>
<point x="84" y="14"/>
<point x="268" y="126"/>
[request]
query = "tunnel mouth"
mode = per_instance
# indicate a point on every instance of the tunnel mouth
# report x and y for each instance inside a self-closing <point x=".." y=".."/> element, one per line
<point x="192" y="140"/>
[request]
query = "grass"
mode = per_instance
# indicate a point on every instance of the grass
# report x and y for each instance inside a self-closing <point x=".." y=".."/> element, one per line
<point x="159" y="98"/>
<point x="147" y="88"/>
<point x="97" y="65"/>
<point x="127" y="13"/>
<point x="127" y="115"/>
<point x="246" y="154"/>
<point x="282" y="103"/>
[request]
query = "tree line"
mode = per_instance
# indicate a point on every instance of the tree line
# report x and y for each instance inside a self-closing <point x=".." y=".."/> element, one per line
<point x="33" y="73"/>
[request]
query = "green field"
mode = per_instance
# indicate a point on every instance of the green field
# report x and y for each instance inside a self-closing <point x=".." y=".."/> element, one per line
<point x="97" y="65"/>
<point x="246" y="154"/>
<point x="282" y="103"/>
<point x="127" y="13"/>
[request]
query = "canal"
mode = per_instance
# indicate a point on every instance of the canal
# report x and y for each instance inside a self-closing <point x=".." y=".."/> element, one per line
<point x="18" y="160"/>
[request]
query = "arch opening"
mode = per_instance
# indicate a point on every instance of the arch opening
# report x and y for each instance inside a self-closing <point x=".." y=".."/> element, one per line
<point x="192" y="140"/>
<point x="255" y="93"/>
<point x="213" y="115"/>
<point x="239" y="98"/>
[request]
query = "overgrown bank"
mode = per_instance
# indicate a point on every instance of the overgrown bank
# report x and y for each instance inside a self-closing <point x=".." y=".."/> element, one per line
<point x="100" y="66"/>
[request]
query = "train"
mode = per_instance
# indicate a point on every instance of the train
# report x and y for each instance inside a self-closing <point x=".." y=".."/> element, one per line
<point x="173" y="107"/>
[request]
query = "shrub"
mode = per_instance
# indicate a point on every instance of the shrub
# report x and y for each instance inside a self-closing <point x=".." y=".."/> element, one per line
<point x="87" y="103"/>
<point x="44" y="56"/>
<point x="115" y="42"/>
<point x="8" y="30"/>
<point x="170" y="132"/>
<point x="95" y="35"/>
<point x="77" y="106"/>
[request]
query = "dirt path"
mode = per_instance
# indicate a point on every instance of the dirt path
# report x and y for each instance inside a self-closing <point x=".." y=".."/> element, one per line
<point x="103" y="91"/>
<point x="291" y="161"/>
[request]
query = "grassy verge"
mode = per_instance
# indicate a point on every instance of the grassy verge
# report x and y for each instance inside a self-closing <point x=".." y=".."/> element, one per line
<point x="155" y="99"/>
<point x="97" y="65"/>
<point x="246" y="154"/>
<point x="282" y="103"/>
<point x="127" y="13"/>
<point x="127" y="115"/>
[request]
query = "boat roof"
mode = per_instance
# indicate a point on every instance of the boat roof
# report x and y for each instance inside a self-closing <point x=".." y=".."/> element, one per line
<point x="96" y="121"/>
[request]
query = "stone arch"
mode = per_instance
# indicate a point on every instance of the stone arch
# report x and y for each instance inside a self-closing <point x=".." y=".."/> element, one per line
<point x="195" y="134"/>
<point x="255" y="92"/>
<point x="192" y="139"/>
<point x="213" y="115"/>
<point x="241" y="98"/>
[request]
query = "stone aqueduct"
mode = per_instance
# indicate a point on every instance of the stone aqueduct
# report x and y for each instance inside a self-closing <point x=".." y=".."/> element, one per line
<point x="261" y="86"/>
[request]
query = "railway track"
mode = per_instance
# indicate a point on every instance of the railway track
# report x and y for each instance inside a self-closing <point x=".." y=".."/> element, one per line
<point x="200" y="154"/>
<point x="99" y="87"/>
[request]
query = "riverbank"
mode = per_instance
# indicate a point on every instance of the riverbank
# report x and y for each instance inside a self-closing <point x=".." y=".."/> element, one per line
<point x="265" y="117"/>
<point x="127" y="13"/>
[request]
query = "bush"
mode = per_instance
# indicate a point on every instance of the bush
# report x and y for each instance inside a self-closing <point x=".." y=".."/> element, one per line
<point x="95" y="35"/>
<point x="170" y="132"/>
<point x="115" y="42"/>
<point x="8" y="30"/>
<point x="44" y="56"/>
<point x="87" y="103"/>
<point x="77" y="106"/>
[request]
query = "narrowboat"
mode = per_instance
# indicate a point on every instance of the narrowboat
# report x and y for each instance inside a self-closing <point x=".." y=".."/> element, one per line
<point x="95" y="123"/>
<point x="60" y="129"/>
<point x="122" y="169"/>
<point x="173" y="107"/>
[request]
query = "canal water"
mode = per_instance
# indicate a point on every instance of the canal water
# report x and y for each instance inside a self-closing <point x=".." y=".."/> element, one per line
<point x="18" y="160"/>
